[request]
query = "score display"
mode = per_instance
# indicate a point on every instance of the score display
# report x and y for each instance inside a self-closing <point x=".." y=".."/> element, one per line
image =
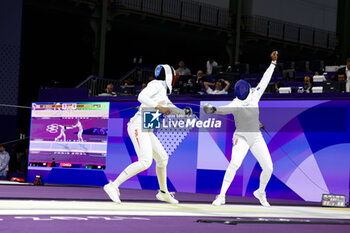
<point x="69" y="135"/>
<point x="331" y="200"/>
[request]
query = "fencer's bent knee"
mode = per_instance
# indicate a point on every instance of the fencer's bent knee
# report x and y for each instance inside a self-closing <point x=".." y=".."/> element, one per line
<point x="146" y="163"/>
<point x="268" y="168"/>
<point x="162" y="163"/>
<point x="233" y="167"/>
<point x="230" y="172"/>
<point x="271" y="168"/>
<point x="234" y="164"/>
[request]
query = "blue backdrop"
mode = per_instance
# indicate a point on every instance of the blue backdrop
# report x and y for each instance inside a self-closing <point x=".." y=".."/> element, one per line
<point x="308" y="141"/>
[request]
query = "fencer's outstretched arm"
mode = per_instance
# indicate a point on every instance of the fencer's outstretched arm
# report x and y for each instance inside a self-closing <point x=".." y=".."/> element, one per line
<point x="260" y="89"/>
<point x="226" y="109"/>
<point x="174" y="109"/>
<point x="178" y="111"/>
<point x="222" y="110"/>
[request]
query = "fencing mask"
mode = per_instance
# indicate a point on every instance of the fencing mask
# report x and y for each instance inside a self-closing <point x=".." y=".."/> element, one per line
<point x="169" y="75"/>
<point x="242" y="89"/>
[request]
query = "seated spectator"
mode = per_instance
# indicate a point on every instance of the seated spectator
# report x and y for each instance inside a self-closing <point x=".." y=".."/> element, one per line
<point x="344" y="73"/>
<point x="210" y="64"/>
<point x="308" y="84"/>
<point x="277" y="86"/>
<point x="342" y="83"/>
<point x="130" y="81"/>
<point x="183" y="70"/>
<point x="199" y="79"/>
<point x="109" y="91"/>
<point x="4" y="161"/>
<point x="341" y="78"/>
<point x="189" y="87"/>
<point x="219" y="90"/>
<point x="144" y="85"/>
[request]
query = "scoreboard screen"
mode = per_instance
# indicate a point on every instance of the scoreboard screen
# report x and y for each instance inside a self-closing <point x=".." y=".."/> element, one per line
<point x="331" y="200"/>
<point x="72" y="135"/>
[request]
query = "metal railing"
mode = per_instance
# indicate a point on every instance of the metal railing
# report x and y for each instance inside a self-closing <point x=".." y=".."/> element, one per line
<point x="289" y="31"/>
<point x="180" y="9"/>
<point x="139" y="74"/>
<point x="97" y="85"/>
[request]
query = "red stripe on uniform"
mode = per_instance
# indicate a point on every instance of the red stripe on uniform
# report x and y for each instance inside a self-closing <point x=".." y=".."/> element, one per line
<point x="137" y="137"/>
<point x="174" y="80"/>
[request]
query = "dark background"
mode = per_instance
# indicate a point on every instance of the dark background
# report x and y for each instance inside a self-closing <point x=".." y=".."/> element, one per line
<point x="59" y="45"/>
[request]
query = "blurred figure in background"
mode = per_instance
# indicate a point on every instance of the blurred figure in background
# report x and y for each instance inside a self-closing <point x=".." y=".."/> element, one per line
<point x="200" y="76"/>
<point x="219" y="90"/>
<point x="130" y="81"/>
<point x="151" y="78"/>
<point x="200" y="79"/>
<point x="308" y="84"/>
<point x="189" y="87"/>
<point x="341" y="78"/>
<point x="109" y="91"/>
<point x="277" y="86"/>
<point x="53" y="162"/>
<point x="344" y="74"/>
<point x="4" y="161"/>
<point x="183" y="70"/>
<point x="143" y="86"/>
<point x="210" y="64"/>
<point x="343" y="84"/>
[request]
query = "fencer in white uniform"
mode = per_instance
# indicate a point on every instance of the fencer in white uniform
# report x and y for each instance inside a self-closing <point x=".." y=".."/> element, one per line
<point x="146" y="144"/>
<point x="245" y="110"/>
<point x="80" y="131"/>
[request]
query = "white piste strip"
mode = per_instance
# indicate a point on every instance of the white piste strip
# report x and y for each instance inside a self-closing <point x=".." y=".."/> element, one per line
<point x="14" y="207"/>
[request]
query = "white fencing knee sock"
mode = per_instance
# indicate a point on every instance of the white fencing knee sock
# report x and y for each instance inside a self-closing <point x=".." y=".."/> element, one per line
<point x="264" y="178"/>
<point x="162" y="177"/>
<point x="132" y="170"/>
<point x="161" y="170"/>
<point x="228" y="178"/>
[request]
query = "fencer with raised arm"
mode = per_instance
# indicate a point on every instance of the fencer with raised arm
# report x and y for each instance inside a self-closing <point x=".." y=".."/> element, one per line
<point x="146" y="144"/>
<point x="245" y="109"/>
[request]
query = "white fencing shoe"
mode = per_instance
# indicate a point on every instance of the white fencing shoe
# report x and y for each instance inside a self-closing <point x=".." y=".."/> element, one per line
<point x="166" y="197"/>
<point x="261" y="196"/>
<point x="220" y="200"/>
<point x="113" y="192"/>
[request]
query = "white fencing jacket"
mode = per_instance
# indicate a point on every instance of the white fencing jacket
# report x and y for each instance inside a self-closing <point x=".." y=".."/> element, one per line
<point x="246" y="112"/>
<point x="156" y="94"/>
